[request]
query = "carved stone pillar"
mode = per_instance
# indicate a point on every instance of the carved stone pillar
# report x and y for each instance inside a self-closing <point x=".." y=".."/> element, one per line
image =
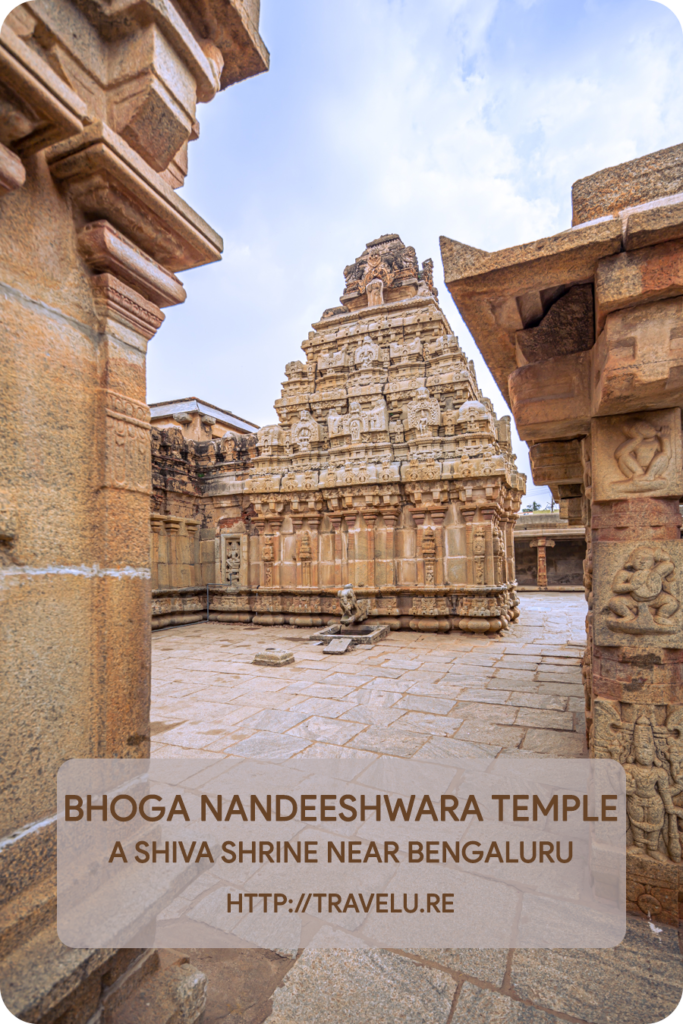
<point x="349" y="549"/>
<point x="370" y="518"/>
<point x="313" y="524"/>
<point x="541" y="543"/>
<point x="194" y="568"/>
<point x="98" y="105"/>
<point x="172" y="525"/>
<point x="156" y="523"/>
<point x="271" y="538"/>
<point x="594" y="378"/>
<point x="386" y="572"/>
<point x="267" y="550"/>
<point x="339" y="549"/>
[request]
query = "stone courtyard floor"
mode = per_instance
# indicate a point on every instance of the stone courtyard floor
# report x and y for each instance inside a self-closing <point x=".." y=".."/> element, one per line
<point x="414" y="695"/>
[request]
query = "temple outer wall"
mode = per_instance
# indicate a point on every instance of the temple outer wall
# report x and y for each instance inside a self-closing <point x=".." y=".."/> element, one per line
<point x="93" y="234"/>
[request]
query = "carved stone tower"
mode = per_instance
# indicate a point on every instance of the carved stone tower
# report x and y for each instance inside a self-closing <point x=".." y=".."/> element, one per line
<point x="387" y="470"/>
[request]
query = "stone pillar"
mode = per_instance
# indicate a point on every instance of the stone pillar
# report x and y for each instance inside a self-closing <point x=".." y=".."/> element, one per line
<point x="594" y="379"/>
<point x="339" y="549"/>
<point x="172" y="525"/>
<point x="156" y="523"/>
<point x="386" y="569"/>
<point x="437" y="517"/>
<point x="194" y="572"/>
<point x="349" y="549"/>
<point x="313" y="525"/>
<point x="99" y="104"/>
<point x="541" y="543"/>
<point x="370" y="519"/>
<point x="509" y="535"/>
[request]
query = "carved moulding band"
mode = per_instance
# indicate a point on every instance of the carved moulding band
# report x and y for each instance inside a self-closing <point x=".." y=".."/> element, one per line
<point x="637" y="594"/>
<point x="637" y="456"/>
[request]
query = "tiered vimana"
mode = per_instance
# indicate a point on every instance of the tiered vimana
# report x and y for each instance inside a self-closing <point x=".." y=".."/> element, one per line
<point x="388" y="471"/>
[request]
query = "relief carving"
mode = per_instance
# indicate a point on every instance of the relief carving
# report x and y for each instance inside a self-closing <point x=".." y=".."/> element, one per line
<point x="128" y="457"/>
<point x="233" y="560"/>
<point x="423" y="413"/>
<point x="366" y="354"/>
<point x="638" y="455"/>
<point x="637" y="594"/>
<point x="479" y="554"/>
<point x="652" y="757"/>
<point x="268" y="557"/>
<point x="429" y="556"/>
<point x="305" y="431"/>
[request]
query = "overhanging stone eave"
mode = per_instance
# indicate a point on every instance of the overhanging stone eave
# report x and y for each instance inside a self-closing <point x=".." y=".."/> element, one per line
<point x="558" y="259"/>
<point x="482" y="283"/>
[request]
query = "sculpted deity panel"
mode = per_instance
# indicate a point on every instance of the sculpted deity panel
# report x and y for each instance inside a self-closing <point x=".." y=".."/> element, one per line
<point x="652" y="755"/>
<point x="638" y="456"/>
<point x="305" y="431"/>
<point x="637" y="591"/>
<point x="366" y="354"/>
<point x="423" y="413"/>
<point x="270" y="439"/>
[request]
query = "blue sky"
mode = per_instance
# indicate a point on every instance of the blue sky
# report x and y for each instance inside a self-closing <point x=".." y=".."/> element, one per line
<point x="469" y="118"/>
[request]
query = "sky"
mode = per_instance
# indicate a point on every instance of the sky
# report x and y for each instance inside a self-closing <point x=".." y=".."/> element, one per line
<point x="468" y="118"/>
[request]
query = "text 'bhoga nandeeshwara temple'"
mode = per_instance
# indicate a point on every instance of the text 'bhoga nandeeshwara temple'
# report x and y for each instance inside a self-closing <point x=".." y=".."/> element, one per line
<point x="387" y="470"/>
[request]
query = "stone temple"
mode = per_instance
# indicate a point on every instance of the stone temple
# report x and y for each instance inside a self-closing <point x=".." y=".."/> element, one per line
<point x="387" y="470"/>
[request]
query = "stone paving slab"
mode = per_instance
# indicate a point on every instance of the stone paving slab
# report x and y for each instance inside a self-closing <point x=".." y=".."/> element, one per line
<point x="481" y="1006"/>
<point x="638" y="982"/>
<point x="330" y="986"/>
<point x="519" y="691"/>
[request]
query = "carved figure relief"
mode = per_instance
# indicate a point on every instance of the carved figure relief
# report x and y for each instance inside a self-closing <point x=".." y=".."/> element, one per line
<point x="643" y="599"/>
<point x="375" y="292"/>
<point x="334" y="423"/>
<point x="366" y="353"/>
<point x="233" y="559"/>
<point x="354" y="421"/>
<point x="305" y="431"/>
<point x="377" y="418"/>
<point x="479" y="554"/>
<point x="268" y="556"/>
<point x="637" y="594"/>
<point x="638" y="455"/>
<point x="429" y="556"/>
<point x="423" y="413"/>
<point x="652" y="759"/>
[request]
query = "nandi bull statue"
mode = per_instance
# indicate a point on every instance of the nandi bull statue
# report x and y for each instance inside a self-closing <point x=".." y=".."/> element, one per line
<point x="353" y="610"/>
